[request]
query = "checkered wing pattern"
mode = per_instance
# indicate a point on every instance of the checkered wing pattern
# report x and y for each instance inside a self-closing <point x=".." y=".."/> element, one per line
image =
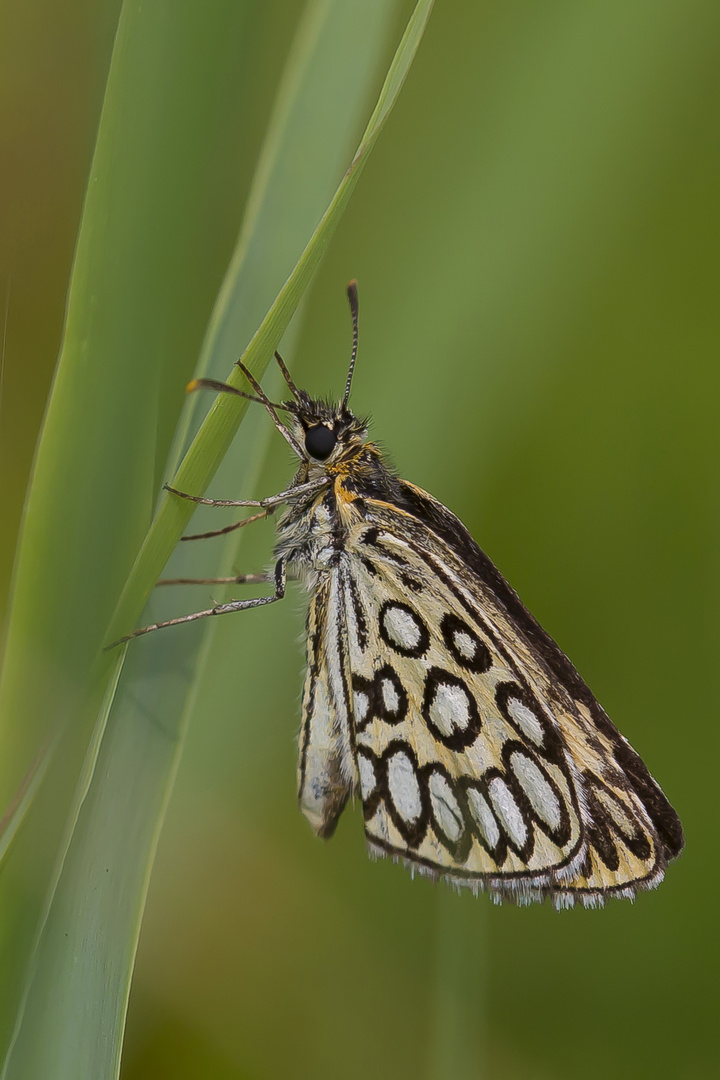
<point x="480" y="755"/>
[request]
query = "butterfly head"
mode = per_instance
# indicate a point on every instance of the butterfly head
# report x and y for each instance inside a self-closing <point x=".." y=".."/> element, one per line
<point x="329" y="433"/>
<point x="322" y="434"/>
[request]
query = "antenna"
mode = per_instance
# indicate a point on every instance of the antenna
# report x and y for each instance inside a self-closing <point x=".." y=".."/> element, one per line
<point x="286" y="434"/>
<point x="270" y="406"/>
<point x="287" y="376"/>
<point x="352" y="295"/>
<point x="225" y="388"/>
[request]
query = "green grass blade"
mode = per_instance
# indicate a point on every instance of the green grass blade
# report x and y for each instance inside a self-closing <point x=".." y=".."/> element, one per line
<point x="91" y="930"/>
<point x="216" y="434"/>
<point x="30" y="784"/>
<point x="134" y="320"/>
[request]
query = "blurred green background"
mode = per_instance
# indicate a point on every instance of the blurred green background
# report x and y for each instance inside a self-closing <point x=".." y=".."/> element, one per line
<point x="536" y="241"/>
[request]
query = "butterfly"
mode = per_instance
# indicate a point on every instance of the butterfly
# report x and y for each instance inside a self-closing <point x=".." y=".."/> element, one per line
<point x="479" y="754"/>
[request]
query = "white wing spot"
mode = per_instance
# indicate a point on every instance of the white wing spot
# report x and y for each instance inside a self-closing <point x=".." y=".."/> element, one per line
<point x="526" y="720"/>
<point x="508" y="811"/>
<point x="464" y="644"/>
<point x="445" y="807"/>
<point x="390" y="696"/>
<point x="404" y="786"/>
<point x="401" y="627"/>
<point x="484" y="817"/>
<point x="542" y="798"/>
<point x="361" y="704"/>
<point x="449" y="709"/>
<point x="368" y="779"/>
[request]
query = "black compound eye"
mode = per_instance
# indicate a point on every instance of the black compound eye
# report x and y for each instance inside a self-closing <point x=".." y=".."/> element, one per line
<point x="320" y="441"/>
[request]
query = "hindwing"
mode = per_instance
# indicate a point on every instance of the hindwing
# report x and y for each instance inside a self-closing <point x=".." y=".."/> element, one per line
<point x="326" y="765"/>
<point x="481" y="755"/>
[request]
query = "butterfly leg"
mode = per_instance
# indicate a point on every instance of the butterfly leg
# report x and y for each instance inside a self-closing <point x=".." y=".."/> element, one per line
<point x="265" y="504"/>
<point x="280" y="577"/>
<point x="239" y="579"/>
<point x="231" y="528"/>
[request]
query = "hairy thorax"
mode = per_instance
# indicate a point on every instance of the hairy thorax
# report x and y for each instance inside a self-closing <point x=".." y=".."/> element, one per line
<point x="311" y="533"/>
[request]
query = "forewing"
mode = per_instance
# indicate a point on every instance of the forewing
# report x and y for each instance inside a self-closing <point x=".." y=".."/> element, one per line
<point x="478" y="759"/>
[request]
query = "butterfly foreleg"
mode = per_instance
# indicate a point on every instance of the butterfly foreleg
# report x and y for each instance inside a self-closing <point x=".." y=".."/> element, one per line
<point x="280" y="579"/>
<point x="266" y="504"/>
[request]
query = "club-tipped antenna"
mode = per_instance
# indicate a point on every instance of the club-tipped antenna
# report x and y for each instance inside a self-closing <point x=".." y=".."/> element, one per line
<point x="225" y="388"/>
<point x="352" y="295"/>
<point x="285" y="432"/>
<point x="287" y="376"/>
